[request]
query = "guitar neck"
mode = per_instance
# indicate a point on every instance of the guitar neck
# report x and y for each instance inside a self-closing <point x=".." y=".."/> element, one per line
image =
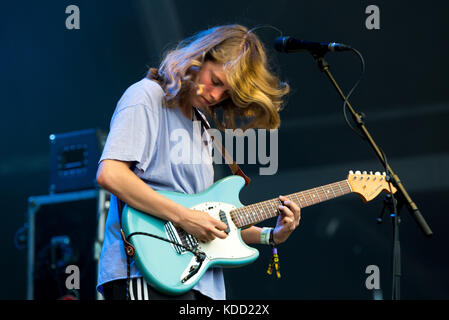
<point x="260" y="211"/>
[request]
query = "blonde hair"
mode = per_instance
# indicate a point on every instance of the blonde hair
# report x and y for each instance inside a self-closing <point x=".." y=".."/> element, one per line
<point x="256" y="94"/>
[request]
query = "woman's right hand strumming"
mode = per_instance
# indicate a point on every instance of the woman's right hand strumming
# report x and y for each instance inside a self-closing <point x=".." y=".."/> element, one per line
<point x="201" y="225"/>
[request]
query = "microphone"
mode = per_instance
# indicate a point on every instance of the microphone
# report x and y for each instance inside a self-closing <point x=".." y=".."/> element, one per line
<point x="289" y="44"/>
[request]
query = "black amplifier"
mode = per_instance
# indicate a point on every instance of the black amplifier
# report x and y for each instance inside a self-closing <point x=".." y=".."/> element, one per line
<point x="74" y="159"/>
<point x="65" y="230"/>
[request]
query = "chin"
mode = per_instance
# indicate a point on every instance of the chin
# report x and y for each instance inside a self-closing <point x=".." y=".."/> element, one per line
<point x="201" y="104"/>
<point x="202" y="108"/>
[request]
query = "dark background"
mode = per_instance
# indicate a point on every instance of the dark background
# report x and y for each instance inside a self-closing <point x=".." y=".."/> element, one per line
<point x="58" y="80"/>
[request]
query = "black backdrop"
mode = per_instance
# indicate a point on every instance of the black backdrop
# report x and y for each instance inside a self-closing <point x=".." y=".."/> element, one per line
<point x="59" y="80"/>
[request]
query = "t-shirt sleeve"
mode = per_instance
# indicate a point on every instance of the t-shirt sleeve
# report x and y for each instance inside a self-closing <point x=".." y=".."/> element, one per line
<point x="132" y="135"/>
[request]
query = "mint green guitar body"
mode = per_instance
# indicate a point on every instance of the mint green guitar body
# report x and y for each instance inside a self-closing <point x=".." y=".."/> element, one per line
<point x="172" y="269"/>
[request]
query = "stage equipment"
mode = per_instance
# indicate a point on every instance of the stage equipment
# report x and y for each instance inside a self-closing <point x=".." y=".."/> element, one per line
<point x="74" y="159"/>
<point x="65" y="229"/>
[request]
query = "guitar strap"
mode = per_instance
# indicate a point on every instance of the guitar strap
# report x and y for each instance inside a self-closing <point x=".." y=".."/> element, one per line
<point x="235" y="169"/>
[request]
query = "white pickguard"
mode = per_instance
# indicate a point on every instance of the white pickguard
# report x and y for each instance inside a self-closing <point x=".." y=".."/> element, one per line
<point x="232" y="247"/>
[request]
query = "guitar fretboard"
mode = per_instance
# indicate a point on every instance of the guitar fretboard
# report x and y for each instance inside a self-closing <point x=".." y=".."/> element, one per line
<point x="260" y="211"/>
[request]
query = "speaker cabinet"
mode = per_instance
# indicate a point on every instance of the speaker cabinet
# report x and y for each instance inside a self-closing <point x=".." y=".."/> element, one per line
<point x="65" y="234"/>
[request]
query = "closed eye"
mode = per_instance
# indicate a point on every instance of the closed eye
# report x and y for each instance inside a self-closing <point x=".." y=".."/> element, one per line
<point x="216" y="82"/>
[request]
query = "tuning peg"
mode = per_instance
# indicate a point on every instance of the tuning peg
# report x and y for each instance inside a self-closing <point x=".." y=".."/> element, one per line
<point x="370" y="172"/>
<point x="384" y="174"/>
<point x="358" y="172"/>
<point x="351" y="172"/>
<point x="364" y="172"/>
<point x="377" y="173"/>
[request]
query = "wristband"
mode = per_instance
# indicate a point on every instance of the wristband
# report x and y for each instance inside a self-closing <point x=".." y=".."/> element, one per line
<point x="265" y="235"/>
<point x="271" y="238"/>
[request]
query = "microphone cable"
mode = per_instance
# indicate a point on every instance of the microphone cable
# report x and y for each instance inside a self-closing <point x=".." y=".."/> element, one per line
<point x="384" y="157"/>
<point x="345" y="102"/>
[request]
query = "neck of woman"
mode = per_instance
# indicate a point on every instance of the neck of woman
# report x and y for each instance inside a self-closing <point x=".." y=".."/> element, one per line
<point x="187" y="110"/>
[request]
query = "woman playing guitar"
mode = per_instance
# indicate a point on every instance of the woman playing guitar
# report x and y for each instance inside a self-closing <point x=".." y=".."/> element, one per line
<point x="223" y="68"/>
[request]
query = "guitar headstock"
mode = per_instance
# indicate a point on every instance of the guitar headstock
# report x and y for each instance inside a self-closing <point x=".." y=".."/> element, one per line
<point x="369" y="185"/>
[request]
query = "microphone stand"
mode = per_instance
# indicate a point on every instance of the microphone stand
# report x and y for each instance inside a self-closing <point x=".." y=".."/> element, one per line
<point x="403" y="195"/>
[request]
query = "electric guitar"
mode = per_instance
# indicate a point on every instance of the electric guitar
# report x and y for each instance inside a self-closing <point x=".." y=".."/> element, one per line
<point x="173" y="261"/>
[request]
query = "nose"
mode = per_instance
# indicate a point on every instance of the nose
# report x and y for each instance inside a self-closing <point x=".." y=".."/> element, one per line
<point x="217" y="95"/>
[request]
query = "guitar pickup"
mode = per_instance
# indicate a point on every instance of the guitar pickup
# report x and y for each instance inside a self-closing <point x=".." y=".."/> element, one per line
<point x="225" y="220"/>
